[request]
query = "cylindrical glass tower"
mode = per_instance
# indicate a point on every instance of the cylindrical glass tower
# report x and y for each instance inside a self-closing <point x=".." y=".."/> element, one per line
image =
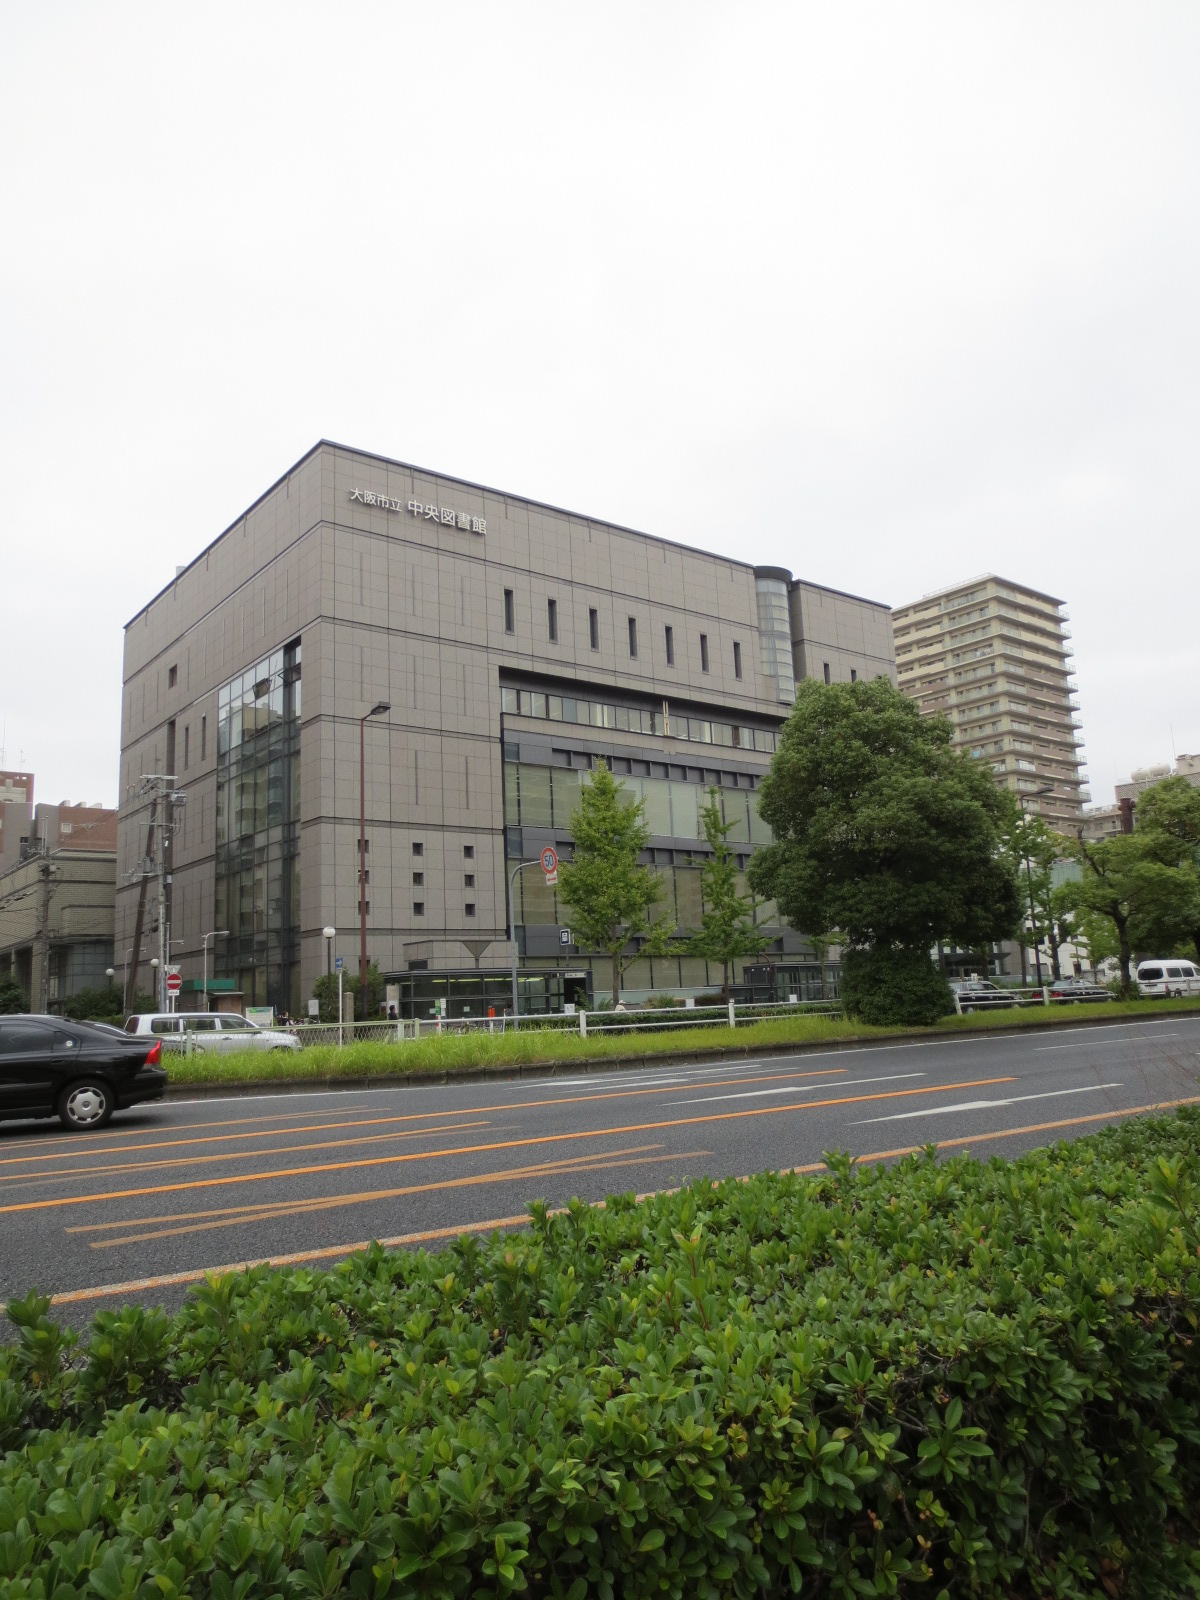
<point x="775" y="629"/>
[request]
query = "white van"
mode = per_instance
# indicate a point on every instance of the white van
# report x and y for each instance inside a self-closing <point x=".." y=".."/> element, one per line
<point x="209" y="1030"/>
<point x="1167" y="977"/>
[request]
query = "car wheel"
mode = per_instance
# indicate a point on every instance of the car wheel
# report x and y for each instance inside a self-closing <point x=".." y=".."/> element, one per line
<point x="86" y="1104"/>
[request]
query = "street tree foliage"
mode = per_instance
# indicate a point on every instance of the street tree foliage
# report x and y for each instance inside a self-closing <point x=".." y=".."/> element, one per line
<point x="1168" y="820"/>
<point x="611" y="894"/>
<point x="325" y="992"/>
<point x="1140" y="891"/>
<point x="1128" y="899"/>
<point x="884" y="837"/>
<point x="12" y="996"/>
<point x="727" y="931"/>
<point x="1034" y="850"/>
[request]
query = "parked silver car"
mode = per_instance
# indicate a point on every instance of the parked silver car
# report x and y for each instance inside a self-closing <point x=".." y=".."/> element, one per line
<point x="209" y="1030"/>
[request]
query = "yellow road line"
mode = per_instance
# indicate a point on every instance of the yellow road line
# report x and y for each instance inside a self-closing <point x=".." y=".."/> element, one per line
<point x="482" y="1149"/>
<point x="603" y="1161"/>
<point x="27" y="1178"/>
<point x="429" y="1236"/>
<point x="266" y="1208"/>
<point x="71" y="1141"/>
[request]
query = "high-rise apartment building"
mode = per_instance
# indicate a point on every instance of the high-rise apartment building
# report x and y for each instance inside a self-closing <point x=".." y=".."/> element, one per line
<point x="995" y="657"/>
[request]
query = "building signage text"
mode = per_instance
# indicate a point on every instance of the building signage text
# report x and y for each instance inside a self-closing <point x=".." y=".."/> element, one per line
<point x="445" y="516"/>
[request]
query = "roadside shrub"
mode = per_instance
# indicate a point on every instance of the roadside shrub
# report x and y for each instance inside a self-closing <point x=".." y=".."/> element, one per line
<point x="893" y="986"/>
<point x="971" y="1379"/>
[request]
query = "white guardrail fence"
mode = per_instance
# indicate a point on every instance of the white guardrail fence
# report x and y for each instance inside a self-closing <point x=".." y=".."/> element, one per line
<point x="642" y="1019"/>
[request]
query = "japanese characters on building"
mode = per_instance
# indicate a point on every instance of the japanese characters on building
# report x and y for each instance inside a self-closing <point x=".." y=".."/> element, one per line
<point x="443" y="515"/>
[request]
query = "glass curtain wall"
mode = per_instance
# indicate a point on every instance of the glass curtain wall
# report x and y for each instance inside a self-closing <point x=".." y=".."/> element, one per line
<point x="546" y="797"/>
<point x="258" y="831"/>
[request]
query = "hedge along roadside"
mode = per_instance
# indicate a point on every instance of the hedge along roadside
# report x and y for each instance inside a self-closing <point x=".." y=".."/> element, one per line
<point x="438" y="1058"/>
<point x="980" y="1377"/>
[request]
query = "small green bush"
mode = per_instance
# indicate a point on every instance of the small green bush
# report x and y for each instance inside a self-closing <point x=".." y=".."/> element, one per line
<point x="893" y="986"/>
<point x="963" y="1378"/>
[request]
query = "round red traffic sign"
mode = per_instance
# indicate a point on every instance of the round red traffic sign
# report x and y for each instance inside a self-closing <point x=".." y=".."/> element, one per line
<point x="549" y="859"/>
<point x="174" y="983"/>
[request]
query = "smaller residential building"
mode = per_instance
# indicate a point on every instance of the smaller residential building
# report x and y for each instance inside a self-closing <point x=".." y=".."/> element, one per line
<point x="58" y="889"/>
<point x="16" y="813"/>
<point x="1145" y="777"/>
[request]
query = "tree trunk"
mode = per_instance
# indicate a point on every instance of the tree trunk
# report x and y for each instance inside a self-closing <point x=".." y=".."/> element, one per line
<point x="1054" y="942"/>
<point x="725" y="982"/>
<point x="1126" y="957"/>
<point x="616" y="995"/>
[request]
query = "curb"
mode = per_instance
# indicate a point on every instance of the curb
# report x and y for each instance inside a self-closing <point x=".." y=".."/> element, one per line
<point x="552" y="1069"/>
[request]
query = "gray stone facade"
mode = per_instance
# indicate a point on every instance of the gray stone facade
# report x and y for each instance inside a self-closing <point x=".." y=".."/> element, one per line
<point x="514" y="643"/>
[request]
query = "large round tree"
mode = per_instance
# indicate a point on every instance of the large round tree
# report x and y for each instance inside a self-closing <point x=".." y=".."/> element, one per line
<point x="885" y="839"/>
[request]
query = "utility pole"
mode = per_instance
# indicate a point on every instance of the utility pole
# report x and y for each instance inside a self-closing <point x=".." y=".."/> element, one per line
<point x="44" y="934"/>
<point x="159" y="786"/>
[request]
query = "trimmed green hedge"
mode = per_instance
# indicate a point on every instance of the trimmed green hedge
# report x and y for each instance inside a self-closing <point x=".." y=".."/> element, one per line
<point x="952" y="1377"/>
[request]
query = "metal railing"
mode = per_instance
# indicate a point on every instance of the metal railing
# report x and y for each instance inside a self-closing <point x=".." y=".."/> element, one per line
<point x="640" y="1019"/>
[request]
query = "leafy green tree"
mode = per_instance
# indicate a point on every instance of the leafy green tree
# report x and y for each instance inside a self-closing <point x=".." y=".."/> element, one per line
<point x="884" y="835"/>
<point x="12" y="996"/>
<point x="96" y="1005"/>
<point x="1126" y="892"/>
<point x="727" y="931"/>
<point x="1168" y="821"/>
<point x="1034" y="850"/>
<point x="325" y="992"/>
<point x="611" y="895"/>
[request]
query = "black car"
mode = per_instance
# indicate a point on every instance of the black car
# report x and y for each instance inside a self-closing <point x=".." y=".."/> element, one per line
<point x="79" y="1071"/>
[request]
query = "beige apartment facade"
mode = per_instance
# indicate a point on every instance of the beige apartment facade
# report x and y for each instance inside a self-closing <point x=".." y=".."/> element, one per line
<point x="514" y="645"/>
<point x="995" y="658"/>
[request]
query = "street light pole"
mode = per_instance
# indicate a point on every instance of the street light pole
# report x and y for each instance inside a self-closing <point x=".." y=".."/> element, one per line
<point x="217" y="933"/>
<point x="329" y="934"/>
<point x="377" y="710"/>
<point x="512" y="932"/>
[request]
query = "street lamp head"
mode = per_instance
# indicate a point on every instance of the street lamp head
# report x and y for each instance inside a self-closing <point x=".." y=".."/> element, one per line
<point x="154" y="962"/>
<point x="329" y="933"/>
<point x="110" y="973"/>
<point x="379" y="708"/>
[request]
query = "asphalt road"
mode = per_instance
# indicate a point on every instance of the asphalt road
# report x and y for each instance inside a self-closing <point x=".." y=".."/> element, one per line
<point x="143" y="1208"/>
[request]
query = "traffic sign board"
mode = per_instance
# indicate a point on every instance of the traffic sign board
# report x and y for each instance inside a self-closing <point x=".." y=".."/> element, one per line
<point x="338" y="963"/>
<point x="174" y="983"/>
<point x="564" y="936"/>
<point x="549" y="860"/>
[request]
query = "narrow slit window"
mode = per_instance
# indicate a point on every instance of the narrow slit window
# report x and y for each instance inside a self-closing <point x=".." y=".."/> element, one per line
<point x="633" y="638"/>
<point x="594" y="628"/>
<point x="510" y="612"/>
<point x="552" y="620"/>
<point x="703" y="652"/>
<point x="737" y="658"/>
<point x="670" y="637"/>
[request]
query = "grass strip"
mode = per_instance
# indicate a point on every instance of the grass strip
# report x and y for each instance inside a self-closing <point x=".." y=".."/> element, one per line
<point x="451" y="1053"/>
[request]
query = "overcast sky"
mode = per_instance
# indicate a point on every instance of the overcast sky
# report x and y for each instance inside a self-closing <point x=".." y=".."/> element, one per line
<point x="889" y="295"/>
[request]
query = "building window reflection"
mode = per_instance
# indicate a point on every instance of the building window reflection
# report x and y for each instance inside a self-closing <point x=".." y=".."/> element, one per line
<point x="258" y="830"/>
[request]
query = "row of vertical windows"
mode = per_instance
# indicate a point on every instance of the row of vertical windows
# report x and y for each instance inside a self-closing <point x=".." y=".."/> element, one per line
<point x="510" y="626"/>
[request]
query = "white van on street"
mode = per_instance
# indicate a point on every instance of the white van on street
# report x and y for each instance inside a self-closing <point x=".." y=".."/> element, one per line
<point x="209" y="1030"/>
<point x="1157" y="979"/>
